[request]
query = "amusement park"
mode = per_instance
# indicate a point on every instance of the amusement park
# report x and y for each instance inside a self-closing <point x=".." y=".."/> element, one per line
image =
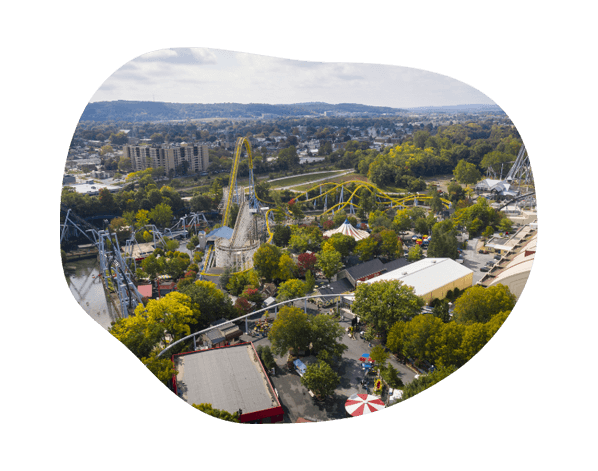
<point x="312" y="252"/>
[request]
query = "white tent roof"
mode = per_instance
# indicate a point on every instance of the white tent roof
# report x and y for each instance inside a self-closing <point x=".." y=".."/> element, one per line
<point x="347" y="229"/>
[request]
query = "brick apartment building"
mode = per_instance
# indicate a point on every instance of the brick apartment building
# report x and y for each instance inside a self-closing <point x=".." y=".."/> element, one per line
<point x="170" y="157"/>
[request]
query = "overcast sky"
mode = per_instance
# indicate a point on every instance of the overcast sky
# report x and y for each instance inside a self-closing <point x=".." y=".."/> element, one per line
<point x="200" y="75"/>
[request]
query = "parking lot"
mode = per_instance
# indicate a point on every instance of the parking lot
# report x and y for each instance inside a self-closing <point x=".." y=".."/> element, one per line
<point x="474" y="260"/>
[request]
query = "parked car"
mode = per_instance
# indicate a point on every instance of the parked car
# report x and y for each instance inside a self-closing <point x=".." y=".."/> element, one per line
<point x="489" y="263"/>
<point x="484" y="269"/>
<point x="497" y="257"/>
<point x="482" y="251"/>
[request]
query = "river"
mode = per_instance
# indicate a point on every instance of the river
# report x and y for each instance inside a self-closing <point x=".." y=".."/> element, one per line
<point x="87" y="288"/>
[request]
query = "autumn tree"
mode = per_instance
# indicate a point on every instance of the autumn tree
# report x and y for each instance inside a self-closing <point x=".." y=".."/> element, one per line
<point x="287" y="268"/>
<point x="213" y="303"/>
<point x="306" y="262"/>
<point x="290" y="289"/>
<point x="161" y="215"/>
<point x="426" y="381"/>
<point x="219" y="414"/>
<point x="366" y="248"/>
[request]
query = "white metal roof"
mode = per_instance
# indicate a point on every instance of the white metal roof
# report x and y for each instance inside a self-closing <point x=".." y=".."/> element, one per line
<point x="426" y="275"/>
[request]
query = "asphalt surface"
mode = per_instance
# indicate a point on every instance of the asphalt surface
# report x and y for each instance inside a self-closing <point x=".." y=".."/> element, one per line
<point x="474" y="260"/>
<point x="294" y="397"/>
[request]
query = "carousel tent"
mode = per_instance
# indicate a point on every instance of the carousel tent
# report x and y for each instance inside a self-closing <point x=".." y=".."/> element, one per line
<point x="347" y="229"/>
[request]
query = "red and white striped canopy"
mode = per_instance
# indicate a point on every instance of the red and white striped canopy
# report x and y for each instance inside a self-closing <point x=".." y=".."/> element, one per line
<point x="347" y="229"/>
<point x="360" y="404"/>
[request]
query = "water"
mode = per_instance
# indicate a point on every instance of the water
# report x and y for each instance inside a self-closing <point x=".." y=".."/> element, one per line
<point x="88" y="289"/>
<point x="89" y="292"/>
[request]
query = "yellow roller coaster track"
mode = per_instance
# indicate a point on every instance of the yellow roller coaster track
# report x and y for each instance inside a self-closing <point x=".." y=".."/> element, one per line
<point x="373" y="189"/>
<point x="232" y="181"/>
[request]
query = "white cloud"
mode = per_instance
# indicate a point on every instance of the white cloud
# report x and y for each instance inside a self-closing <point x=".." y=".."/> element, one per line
<point x="203" y="55"/>
<point x="200" y="75"/>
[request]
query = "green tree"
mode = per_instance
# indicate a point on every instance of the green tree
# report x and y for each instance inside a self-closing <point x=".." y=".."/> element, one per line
<point x="415" y="253"/>
<point x="394" y="340"/>
<point x="466" y="173"/>
<point x="391" y="245"/>
<point x="288" y="158"/>
<point x="219" y="414"/>
<point x="142" y="218"/>
<point x="287" y="268"/>
<point x="290" y="289"/>
<point x="305" y="238"/>
<point x="161" y="215"/>
<point x="290" y="330"/>
<point x="213" y="303"/>
<point x="310" y="282"/>
<point x="419" y="336"/>
<point x="326" y="335"/>
<point x="479" y="304"/>
<point x="282" y="235"/>
<point x="383" y="303"/>
<point x="444" y="240"/>
<point x="137" y="334"/>
<point x="379" y="356"/>
<point x="366" y="248"/>
<point x="153" y="266"/>
<point x="391" y="376"/>
<point x="320" y="379"/>
<point x="162" y="368"/>
<point x="426" y="381"/>
<point x="266" y="260"/>
<point x="329" y="262"/>
<point x="172" y="314"/>
<point x="343" y="244"/>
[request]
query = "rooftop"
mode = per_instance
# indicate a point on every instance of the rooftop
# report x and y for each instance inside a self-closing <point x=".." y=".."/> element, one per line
<point x="426" y="275"/>
<point x="229" y="378"/>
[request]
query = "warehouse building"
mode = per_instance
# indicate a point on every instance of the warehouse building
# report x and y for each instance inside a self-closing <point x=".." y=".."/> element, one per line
<point x="431" y="278"/>
<point x="231" y="379"/>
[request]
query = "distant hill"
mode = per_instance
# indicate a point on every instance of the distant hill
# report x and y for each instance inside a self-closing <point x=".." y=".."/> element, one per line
<point x="457" y="109"/>
<point x="136" y="111"/>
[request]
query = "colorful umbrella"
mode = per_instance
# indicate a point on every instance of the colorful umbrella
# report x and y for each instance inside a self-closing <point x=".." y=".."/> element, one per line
<point x="365" y="357"/>
<point x="360" y="404"/>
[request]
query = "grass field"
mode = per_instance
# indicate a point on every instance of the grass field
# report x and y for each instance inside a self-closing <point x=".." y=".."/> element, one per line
<point x="303" y="179"/>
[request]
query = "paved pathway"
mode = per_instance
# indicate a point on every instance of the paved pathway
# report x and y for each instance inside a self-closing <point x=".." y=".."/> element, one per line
<point x="294" y="397"/>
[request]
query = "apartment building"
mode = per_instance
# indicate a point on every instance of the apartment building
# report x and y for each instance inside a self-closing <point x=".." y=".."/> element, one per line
<point x="170" y="157"/>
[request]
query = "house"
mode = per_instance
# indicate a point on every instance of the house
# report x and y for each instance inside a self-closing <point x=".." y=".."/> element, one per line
<point x="363" y="271"/>
<point x="145" y="291"/>
<point x="338" y="287"/>
<point x="165" y="288"/>
<point x="230" y="331"/>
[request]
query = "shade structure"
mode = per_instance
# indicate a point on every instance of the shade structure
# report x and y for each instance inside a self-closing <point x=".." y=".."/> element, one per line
<point x="365" y="357"/>
<point x="347" y="229"/>
<point x="360" y="404"/>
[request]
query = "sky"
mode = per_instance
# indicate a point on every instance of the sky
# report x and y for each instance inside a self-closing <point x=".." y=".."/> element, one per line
<point x="202" y="75"/>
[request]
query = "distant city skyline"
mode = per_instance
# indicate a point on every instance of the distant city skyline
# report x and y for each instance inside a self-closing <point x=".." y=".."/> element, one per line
<point x="202" y="75"/>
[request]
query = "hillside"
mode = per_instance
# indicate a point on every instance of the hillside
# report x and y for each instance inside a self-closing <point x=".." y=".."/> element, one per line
<point x="137" y="111"/>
